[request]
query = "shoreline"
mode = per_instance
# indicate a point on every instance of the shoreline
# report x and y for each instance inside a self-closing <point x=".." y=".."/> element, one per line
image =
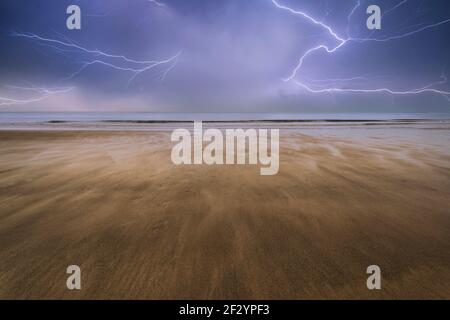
<point x="165" y="125"/>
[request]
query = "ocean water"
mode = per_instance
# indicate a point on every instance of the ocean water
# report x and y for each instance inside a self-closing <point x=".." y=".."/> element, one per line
<point x="33" y="117"/>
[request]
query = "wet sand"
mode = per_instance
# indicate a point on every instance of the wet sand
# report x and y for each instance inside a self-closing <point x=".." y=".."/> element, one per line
<point x="141" y="227"/>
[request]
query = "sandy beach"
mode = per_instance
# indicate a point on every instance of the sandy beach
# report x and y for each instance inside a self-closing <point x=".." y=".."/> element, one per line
<point x="112" y="202"/>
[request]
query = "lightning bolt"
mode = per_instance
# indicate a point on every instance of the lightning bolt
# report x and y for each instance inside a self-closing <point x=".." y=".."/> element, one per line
<point x="135" y="71"/>
<point x="42" y="93"/>
<point x="341" y="42"/>
<point x="357" y="5"/>
<point x="98" y="57"/>
<point x="394" y="7"/>
<point x="424" y="89"/>
<point x="159" y="4"/>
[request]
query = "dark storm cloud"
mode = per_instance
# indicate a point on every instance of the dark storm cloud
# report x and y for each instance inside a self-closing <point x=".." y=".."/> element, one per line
<point x="234" y="55"/>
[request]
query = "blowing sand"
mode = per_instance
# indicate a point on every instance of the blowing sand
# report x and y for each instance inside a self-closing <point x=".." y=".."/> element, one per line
<point x="140" y="227"/>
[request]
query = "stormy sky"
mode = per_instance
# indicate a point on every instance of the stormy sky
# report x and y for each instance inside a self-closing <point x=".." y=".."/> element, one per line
<point x="225" y="56"/>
